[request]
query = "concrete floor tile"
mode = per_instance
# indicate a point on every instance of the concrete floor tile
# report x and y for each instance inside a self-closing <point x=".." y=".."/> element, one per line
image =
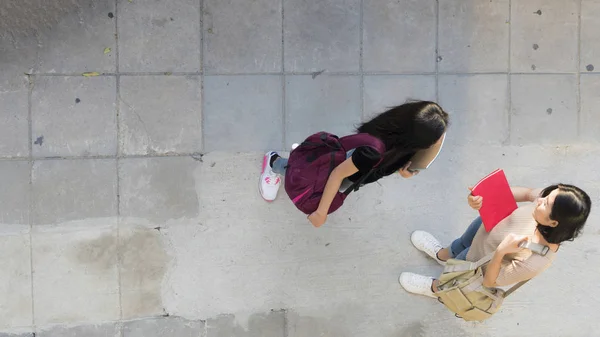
<point x="473" y="36"/>
<point x="321" y="35"/>
<point x="159" y="36"/>
<point x="72" y="190"/>
<point x="253" y="44"/>
<point x="74" y="116"/>
<point x="75" y="275"/>
<point x="399" y="37"/>
<point x="160" y="115"/>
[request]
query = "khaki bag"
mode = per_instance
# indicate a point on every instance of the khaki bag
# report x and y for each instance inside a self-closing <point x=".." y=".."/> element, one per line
<point x="461" y="288"/>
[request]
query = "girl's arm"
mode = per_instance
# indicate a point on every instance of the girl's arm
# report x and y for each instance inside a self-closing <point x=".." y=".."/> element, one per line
<point x="523" y="194"/>
<point x="345" y="169"/>
<point x="509" y="245"/>
<point x="493" y="270"/>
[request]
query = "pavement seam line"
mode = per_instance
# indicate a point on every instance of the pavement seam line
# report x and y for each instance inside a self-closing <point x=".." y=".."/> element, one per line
<point x="202" y="70"/>
<point x="31" y="85"/>
<point x="361" y="60"/>
<point x="116" y="17"/>
<point x="286" y="331"/>
<point x="118" y="196"/>
<point x="507" y="141"/>
<point x="117" y="155"/>
<point x="437" y="51"/>
<point x="283" y="79"/>
<point x="578" y="89"/>
<point x="300" y="73"/>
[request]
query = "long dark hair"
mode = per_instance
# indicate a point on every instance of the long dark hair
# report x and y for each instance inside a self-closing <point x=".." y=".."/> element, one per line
<point x="571" y="209"/>
<point x="406" y="128"/>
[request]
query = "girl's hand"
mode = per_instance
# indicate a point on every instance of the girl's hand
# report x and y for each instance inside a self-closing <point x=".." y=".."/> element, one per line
<point x="474" y="201"/>
<point x="317" y="218"/>
<point x="405" y="173"/>
<point x="510" y="244"/>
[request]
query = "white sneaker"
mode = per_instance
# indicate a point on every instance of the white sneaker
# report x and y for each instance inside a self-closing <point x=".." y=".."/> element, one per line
<point x="427" y="243"/>
<point x="294" y="146"/>
<point x="269" y="180"/>
<point x="417" y="284"/>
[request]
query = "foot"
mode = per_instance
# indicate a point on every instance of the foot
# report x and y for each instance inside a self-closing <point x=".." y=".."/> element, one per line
<point x="427" y="243"/>
<point x="269" y="180"/>
<point x="417" y="284"/>
<point x="294" y="146"/>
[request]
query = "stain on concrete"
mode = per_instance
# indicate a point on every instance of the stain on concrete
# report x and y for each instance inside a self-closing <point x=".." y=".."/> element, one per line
<point x="164" y="327"/>
<point x="538" y="12"/>
<point x="590" y="67"/>
<point x="414" y="329"/>
<point x="39" y="141"/>
<point x="536" y="46"/>
<point x="549" y="111"/>
<point x="271" y="324"/>
<point x="159" y="22"/>
<point x="302" y="325"/>
<point x="98" y="330"/>
<point x="28" y="17"/>
<point x="77" y="101"/>
<point x="98" y="254"/>
<point x="142" y="259"/>
<point x="144" y="262"/>
<point x="533" y="67"/>
<point x="111" y="15"/>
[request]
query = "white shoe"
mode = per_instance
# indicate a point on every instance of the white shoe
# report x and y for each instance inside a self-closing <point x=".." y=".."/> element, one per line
<point x="417" y="284"/>
<point x="269" y="181"/>
<point x="294" y="146"/>
<point x="427" y="243"/>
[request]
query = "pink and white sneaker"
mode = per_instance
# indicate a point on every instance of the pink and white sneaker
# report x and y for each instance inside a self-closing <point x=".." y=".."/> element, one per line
<point x="269" y="180"/>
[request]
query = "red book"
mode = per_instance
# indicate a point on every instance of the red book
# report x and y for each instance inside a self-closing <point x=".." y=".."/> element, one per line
<point x="498" y="200"/>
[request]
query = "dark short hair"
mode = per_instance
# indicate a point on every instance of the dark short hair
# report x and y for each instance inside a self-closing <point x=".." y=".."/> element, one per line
<point x="571" y="209"/>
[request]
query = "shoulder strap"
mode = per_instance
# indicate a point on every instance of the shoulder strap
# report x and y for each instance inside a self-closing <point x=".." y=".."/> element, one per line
<point x="535" y="247"/>
<point x="356" y="184"/>
<point x="363" y="139"/>
<point x="358" y="140"/>
<point x="468" y="265"/>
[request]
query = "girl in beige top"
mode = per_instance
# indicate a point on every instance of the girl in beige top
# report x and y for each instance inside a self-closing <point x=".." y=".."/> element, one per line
<point x="554" y="214"/>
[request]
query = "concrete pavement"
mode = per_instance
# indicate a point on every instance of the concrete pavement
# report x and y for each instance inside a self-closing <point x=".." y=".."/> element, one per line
<point x="130" y="207"/>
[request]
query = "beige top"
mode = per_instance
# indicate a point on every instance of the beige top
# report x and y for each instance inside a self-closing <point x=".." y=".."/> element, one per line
<point x="515" y="267"/>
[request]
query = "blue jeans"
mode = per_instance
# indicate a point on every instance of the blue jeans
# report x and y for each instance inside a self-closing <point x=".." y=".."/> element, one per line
<point x="460" y="247"/>
<point x="279" y="165"/>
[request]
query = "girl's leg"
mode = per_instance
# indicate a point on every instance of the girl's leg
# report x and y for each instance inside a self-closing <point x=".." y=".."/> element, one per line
<point x="424" y="285"/>
<point x="460" y="246"/>
<point x="462" y="255"/>
<point x="279" y="165"/>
